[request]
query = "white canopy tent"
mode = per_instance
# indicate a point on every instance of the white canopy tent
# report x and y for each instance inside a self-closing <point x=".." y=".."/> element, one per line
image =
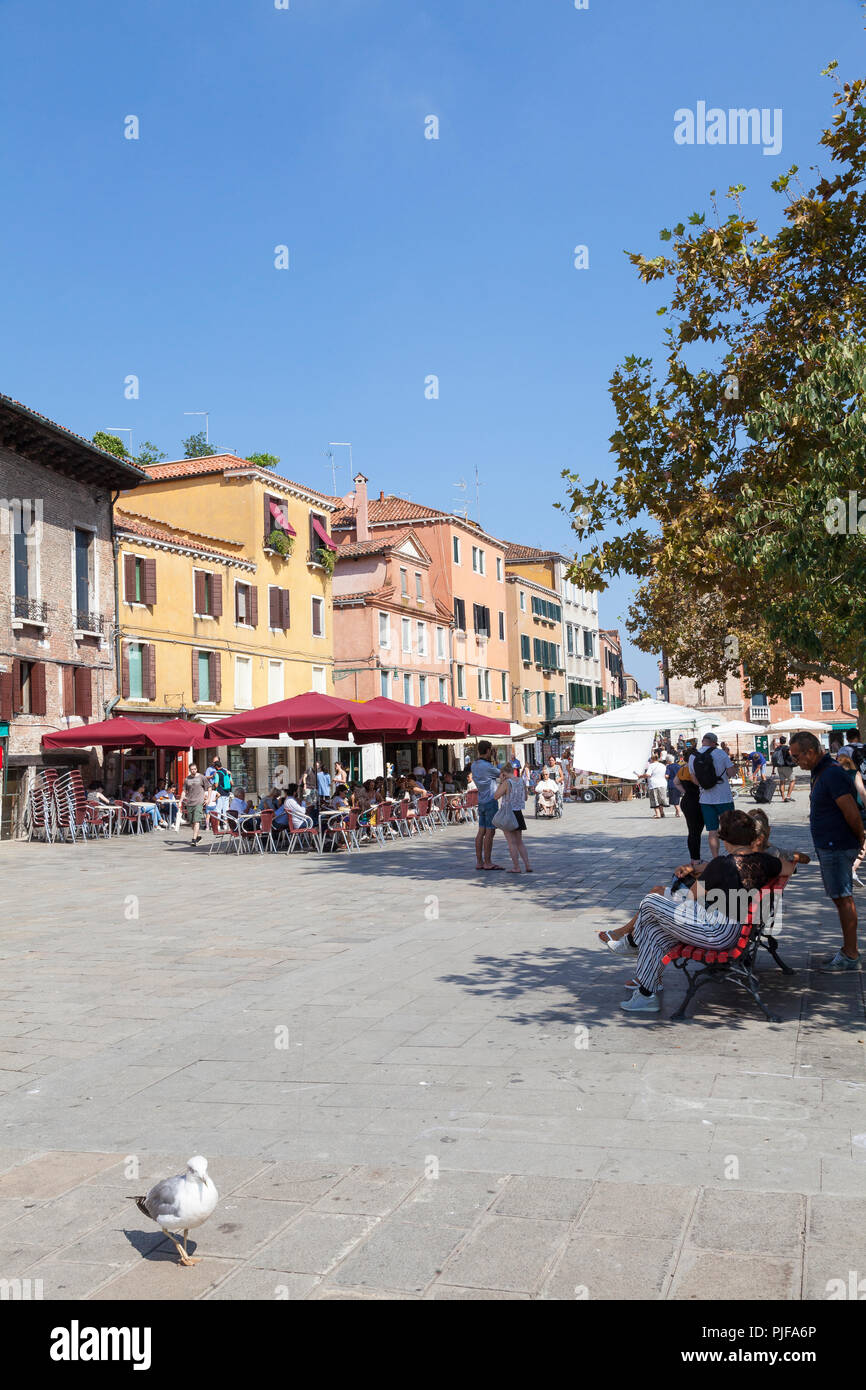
<point x="618" y="743"/>
<point x="649" y="714"/>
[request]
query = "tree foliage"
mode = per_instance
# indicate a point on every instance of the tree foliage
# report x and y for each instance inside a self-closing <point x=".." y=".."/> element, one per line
<point x="197" y="447"/>
<point x="731" y="453"/>
<point x="110" y="444"/>
<point x="263" y="460"/>
<point x="149" y="454"/>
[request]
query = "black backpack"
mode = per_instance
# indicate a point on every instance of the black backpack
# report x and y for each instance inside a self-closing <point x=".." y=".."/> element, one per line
<point x="705" y="770"/>
<point x="782" y="757"/>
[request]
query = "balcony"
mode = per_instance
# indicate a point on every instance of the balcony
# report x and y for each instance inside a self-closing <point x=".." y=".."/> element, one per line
<point x="759" y="714"/>
<point x="28" y="611"/>
<point x="90" y="625"/>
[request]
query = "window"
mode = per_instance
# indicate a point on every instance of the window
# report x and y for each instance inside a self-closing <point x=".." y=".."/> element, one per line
<point x="406" y="626"/>
<point x="207" y="594"/>
<point x="404" y="583"/>
<point x="318" y="617"/>
<point x="524" y="648"/>
<point x="319" y="680"/>
<point x="135" y="689"/>
<point x="796" y="703"/>
<point x="461" y="682"/>
<point x="499" y="567"/>
<point x="419" y="592"/>
<point x="243" y="682"/>
<point x="422" y="690"/>
<point x="443" y="690"/>
<point x="549" y="705"/>
<point x="504" y="686"/>
<point x="483" y="683"/>
<point x="460" y="615"/>
<point x="422" y="639"/>
<point x="276" y="517"/>
<point x="276" y="682"/>
<point x="407" y="689"/>
<point x="545" y="654"/>
<point x="139" y="579"/>
<point x="21" y="564"/>
<point x="246" y="605"/>
<point x="28" y="687"/>
<point x="384" y="684"/>
<point x="456" y="543"/>
<point x="538" y="702"/>
<point x="279" y="609"/>
<point x="478" y="560"/>
<point x="826" y="700"/>
<point x="543" y="608"/>
<point x="78" y="688"/>
<point x="502" y="627"/>
<point x="318" y="533"/>
<point x="569" y="639"/>
<point x="84" y="552"/>
<point x="852" y="699"/>
<point x="204" y="674"/>
<point x="440" y="644"/>
<point x="526" y="702"/>
<point x="522" y="601"/>
<point x="588" y="645"/>
<point x="481" y="620"/>
<point x="385" y="630"/>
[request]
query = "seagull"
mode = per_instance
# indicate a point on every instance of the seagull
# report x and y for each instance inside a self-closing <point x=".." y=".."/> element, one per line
<point x="181" y="1204"/>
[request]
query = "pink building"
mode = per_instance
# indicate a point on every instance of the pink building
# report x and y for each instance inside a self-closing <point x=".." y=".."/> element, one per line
<point x="392" y="636"/>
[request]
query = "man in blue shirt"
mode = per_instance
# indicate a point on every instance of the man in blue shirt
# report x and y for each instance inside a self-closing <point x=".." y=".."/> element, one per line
<point x="323" y="782"/>
<point x="485" y="775"/>
<point x="838" y="832"/>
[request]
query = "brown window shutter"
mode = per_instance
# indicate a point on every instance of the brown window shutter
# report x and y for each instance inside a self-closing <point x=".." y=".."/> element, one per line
<point x="199" y="591"/>
<point x="273" y="606"/>
<point x="16" y="686"/>
<point x="254" y="605"/>
<point x="269" y="525"/>
<point x="195" y="691"/>
<point x="216" y="677"/>
<point x="285" y="615"/>
<point x="83" y="691"/>
<point x="149" y="586"/>
<point x="37" y="688"/>
<point x="237" y="602"/>
<point x="216" y="595"/>
<point x="129" y="578"/>
<point x="149" y="681"/>
<point x="6" y="696"/>
<point x="68" y="690"/>
<point x="124" y="671"/>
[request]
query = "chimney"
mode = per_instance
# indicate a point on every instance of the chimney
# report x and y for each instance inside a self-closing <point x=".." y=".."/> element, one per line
<point x="362" y="525"/>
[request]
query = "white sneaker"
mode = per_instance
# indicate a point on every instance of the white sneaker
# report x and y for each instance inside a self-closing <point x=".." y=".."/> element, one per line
<point x="641" y="1003"/>
<point x="858" y="880"/>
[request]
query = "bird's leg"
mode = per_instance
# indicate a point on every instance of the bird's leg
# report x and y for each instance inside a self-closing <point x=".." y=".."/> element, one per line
<point x="187" y="1258"/>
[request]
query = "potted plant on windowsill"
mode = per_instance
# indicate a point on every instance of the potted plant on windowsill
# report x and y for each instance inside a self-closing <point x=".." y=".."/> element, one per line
<point x="326" y="558"/>
<point x="279" y="542"/>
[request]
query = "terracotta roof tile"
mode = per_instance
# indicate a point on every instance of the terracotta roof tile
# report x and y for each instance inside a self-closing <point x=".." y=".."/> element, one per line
<point x="161" y="531"/>
<point x="379" y="545"/>
<point x="516" y="553"/>
<point x="227" y="463"/>
<point x="127" y="464"/>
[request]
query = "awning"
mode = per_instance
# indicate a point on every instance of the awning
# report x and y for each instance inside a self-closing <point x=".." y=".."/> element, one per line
<point x="323" y="535"/>
<point x="282" y="520"/>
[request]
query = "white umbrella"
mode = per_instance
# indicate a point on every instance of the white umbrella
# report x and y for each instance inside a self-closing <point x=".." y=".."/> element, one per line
<point x="739" y="726"/>
<point x="651" y="715"/>
<point x="789" y="726"/>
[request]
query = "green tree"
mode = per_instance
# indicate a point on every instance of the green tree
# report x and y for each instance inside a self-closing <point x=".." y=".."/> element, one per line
<point x="110" y="444"/>
<point x="148" y="454"/>
<point x="197" y="447"/>
<point x="263" y="460"/>
<point x="728" y="474"/>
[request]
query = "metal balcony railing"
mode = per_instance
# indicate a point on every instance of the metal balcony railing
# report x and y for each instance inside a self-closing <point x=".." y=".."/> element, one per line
<point x="90" y="622"/>
<point x="30" y="610"/>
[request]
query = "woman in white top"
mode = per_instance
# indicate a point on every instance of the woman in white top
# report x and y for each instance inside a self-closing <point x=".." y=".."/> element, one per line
<point x="511" y="795"/>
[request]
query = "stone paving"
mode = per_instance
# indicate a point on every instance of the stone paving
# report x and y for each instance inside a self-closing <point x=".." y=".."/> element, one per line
<point x="412" y="1080"/>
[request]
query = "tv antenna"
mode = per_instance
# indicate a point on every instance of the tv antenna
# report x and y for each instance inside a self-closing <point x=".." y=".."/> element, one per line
<point x="337" y="444"/>
<point x="462" y="508"/>
<point x="206" y="414"/>
<point x="117" y="429"/>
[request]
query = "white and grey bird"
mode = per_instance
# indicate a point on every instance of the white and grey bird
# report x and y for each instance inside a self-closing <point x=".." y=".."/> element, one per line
<point x="181" y="1204"/>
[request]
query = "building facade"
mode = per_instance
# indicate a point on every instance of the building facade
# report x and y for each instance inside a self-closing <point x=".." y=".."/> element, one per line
<point x="467" y="580"/>
<point x="57" y="591"/>
<point x="537" y="664"/>
<point x="825" y="701"/>
<point x="612" y="675"/>
<point x="225" y="598"/>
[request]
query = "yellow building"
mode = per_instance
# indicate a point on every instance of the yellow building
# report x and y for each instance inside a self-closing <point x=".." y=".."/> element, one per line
<point x="537" y="661"/>
<point x="224" y="599"/>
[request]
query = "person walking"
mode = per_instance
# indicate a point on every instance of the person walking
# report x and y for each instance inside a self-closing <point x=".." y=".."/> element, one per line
<point x="859" y="791"/>
<point x="657" y="784"/>
<point x="222" y="783"/>
<point x="711" y="769"/>
<point x="690" y="801"/>
<point x="511" y="793"/>
<point x="783" y="762"/>
<point x="839" y="837"/>
<point x="485" y="775"/>
<point x="193" y="798"/>
<point x="674" y="792"/>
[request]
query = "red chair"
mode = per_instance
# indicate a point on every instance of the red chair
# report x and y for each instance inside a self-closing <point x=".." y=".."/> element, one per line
<point x="229" y="836"/>
<point x="259" y="836"/>
<point x="385" y="821"/>
<point x="470" y="805"/>
<point x="304" y="835"/>
<point x="405" y="825"/>
<point x="735" y="963"/>
<point x="424" y="813"/>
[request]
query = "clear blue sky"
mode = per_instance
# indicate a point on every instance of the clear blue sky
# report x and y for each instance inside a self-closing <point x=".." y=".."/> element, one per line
<point x="409" y="257"/>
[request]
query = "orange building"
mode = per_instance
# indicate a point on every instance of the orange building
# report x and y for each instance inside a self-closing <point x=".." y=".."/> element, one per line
<point x="466" y="581"/>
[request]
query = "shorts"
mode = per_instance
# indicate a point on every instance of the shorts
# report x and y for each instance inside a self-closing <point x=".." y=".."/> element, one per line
<point x="521" y="823"/>
<point x="486" y="811"/>
<point x="195" y="814"/>
<point x="837" y="866"/>
<point x="658" y="796"/>
<point x="712" y="813"/>
<point x="785" y="773"/>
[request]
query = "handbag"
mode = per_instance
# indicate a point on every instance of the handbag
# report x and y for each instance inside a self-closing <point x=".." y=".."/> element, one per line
<point x="505" y="819"/>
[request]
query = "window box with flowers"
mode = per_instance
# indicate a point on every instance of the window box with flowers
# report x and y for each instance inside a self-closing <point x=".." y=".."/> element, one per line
<point x="278" y="543"/>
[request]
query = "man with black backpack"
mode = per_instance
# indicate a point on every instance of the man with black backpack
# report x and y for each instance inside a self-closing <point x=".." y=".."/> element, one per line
<point x="783" y="762"/>
<point x="222" y="782"/>
<point x="711" y="768"/>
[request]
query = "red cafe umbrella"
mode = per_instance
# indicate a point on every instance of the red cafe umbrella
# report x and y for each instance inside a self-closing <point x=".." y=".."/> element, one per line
<point x="422" y="721"/>
<point x="183" y="733"/>
<point x="471" y="725"/>
<point x="115" y="733"/>
<point x="303" y="716"/>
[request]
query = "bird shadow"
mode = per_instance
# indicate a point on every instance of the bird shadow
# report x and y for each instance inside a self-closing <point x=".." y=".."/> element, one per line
<point x="156" y="1247"/>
